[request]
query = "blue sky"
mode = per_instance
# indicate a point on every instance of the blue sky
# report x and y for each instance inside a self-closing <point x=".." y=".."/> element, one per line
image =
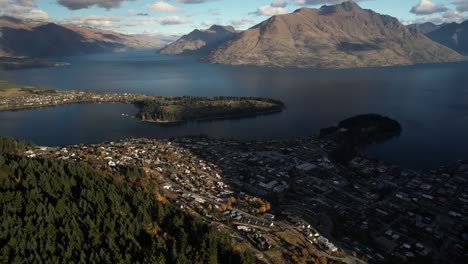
<point x="182" y="16"/>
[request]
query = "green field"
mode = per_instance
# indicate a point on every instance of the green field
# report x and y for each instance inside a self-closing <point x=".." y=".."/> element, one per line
<point x="8" y="89"/>
<point x="4" y="85"/>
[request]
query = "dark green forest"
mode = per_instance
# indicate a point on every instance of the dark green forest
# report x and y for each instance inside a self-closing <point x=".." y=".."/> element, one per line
<point x="187" y="108"/>
<point x="67" y="212"/>
<point x="359" y="131"/>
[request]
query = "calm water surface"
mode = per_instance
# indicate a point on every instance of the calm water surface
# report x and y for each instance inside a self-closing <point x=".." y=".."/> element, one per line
<point x="430" y="101"/>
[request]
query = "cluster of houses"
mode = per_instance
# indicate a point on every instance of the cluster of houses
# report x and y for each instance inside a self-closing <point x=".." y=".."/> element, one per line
<point x="366" y="195"/>
<point x="378" y="209"/>
<point x="53" y="98"/>
<point x="312" y="235"/>
<point x="199" y="183"/>
<point x="395" y="212"/>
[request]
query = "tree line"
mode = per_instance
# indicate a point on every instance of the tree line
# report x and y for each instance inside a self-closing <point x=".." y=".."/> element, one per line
<point x="193" y="108"/>
<point x="68" y="212"/>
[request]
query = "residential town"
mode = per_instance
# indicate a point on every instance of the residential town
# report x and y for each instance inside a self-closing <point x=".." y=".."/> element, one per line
<point x="262" y="190"/>
<point x="151" y="108"/>
<point x="29" y="98"/>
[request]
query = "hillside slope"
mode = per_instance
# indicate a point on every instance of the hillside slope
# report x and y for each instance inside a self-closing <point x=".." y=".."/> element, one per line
<point x="31" y="39"/>
<point x="454" y="36"/>
<point x="339" y="36"/>
<point x="62" y="212"/>
<point x="426" y="28"/>
<point x="200" y="41"/>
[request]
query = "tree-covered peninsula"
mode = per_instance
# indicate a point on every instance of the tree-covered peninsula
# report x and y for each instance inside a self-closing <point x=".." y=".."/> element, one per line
<point x="178" y="109"/>
<point x="150" y="108"/>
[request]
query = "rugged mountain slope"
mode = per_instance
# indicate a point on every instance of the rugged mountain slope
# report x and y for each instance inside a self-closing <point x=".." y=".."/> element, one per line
<point x="454" y="36"/>
<point x="201" y="41"/>
<point x="340" y="36"/>
<point x="426" y="28"/>
<point x="50" y="40"/>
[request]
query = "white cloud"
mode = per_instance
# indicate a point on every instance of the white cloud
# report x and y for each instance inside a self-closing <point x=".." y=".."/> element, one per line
<point x="162" y="6"/>
<point x="453" y="16"/>
<point x="145" y="21"/>
<point x="173" y="20"/>
<point x="427" y="7"/>
<point x="22" y="9"/>
<point x="447" y="17"/>
<point x="173" y="35"/>
<point x="95" y="21"/>
<point x="271" y="11"/>
<point x="109" y="22"/>
<point x="242" y="22"/>
<point x="34" y="15"/>
<point x="277" y="7"/>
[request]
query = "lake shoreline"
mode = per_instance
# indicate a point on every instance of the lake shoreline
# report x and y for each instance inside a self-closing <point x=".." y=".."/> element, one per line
<point x="17" y="98"/>
<point x="208" y="119"/>
<point x="426" y="99"/>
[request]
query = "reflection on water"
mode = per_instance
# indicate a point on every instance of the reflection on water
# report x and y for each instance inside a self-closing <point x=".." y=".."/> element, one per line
<point x="430" y="101"/>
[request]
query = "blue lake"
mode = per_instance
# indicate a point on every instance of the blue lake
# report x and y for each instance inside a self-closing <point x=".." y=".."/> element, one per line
<point x="430" y="101"/>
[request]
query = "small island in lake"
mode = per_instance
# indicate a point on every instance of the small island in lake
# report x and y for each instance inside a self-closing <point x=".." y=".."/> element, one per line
<point x="151" y="108"/>
<point x="364" y="129"/>
<point x="359" y="131"/>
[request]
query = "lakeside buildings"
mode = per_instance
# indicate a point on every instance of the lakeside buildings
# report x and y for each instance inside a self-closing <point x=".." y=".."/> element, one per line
<point x="374" y="209"/>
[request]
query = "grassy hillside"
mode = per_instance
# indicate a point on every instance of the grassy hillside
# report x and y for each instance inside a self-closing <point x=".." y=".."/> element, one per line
<point x="8" y="89"/>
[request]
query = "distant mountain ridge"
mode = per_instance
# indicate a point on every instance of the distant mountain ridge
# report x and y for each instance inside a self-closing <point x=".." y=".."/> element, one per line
<point x="426" y="28"/>
<point x="33" y="39"/>
<point x="338" y="36"/>
<point x="201" y="41"/>
<point x="453" y="35"/>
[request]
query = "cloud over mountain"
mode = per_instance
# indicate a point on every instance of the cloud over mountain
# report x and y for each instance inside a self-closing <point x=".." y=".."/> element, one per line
<point x="277" y="7"/>
<point x="340" y="36"/>
<point x="427" y="7"/>
<point x="23" y="9"/>
<point x="173" y="20"/>
<point x="97" y="21"/>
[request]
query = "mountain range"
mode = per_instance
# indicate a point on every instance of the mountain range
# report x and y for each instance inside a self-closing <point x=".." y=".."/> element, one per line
<point x="426" y="28"/>
<point x="33" y="39"/>
<point x="201" y="41"/>
<point x="453" y="35"/>
<point x="338" y="36"/>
